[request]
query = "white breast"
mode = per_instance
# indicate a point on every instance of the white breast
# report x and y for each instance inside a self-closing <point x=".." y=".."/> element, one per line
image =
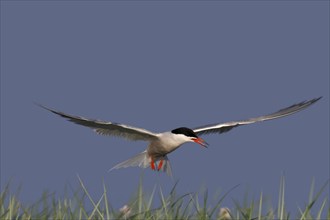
<point x="166" y="143"/>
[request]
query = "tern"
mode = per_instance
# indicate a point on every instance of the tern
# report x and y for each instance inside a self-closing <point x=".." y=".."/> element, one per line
<point x="161" y="144"/>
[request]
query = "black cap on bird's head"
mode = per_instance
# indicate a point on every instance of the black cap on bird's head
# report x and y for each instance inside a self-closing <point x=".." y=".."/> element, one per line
<point x="190" y="133"/>
<point x="185" y="131"/>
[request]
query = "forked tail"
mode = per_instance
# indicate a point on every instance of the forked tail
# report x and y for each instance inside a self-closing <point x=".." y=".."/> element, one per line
<point x="143" y="160"/>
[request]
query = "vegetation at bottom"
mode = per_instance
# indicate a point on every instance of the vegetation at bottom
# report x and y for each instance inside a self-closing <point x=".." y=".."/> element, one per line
<point x="171" y="206"/>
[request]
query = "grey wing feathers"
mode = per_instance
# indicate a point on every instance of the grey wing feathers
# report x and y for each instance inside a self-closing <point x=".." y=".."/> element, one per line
<point x="108" y="128"/>
<point x="224" y="127"/>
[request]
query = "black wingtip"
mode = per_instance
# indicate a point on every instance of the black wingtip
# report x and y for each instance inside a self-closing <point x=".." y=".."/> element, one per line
<point x="315" y="100"/>
<point x="44" y="107"/>
<point x="318" y="98"/>
<point x="53" y="111"/>
<point x="41" y="106"/>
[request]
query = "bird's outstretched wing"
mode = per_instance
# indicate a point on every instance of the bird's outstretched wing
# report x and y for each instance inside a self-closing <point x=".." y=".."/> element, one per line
<point x="108" y="128"/>
<point x="224" y="127"/>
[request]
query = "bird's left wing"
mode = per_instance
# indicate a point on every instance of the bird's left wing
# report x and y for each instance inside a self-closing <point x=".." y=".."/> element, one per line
<point x="224" y="127"/>
<point x="108" y="128"/>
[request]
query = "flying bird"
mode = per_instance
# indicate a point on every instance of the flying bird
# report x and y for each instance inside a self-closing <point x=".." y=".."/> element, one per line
<point x="161" y="144"/>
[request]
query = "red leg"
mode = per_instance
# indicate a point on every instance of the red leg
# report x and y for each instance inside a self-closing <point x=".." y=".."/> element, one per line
<point x="160" y="165"/>
<point x="152" y="164"/>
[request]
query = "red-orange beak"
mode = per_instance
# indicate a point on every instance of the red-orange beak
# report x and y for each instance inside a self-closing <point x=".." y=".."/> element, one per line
<point x="200" y="141"/>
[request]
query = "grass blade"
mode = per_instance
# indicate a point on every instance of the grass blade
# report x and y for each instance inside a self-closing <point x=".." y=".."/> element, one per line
<point x="260" y="207"/>
<point x="89" y="197"/>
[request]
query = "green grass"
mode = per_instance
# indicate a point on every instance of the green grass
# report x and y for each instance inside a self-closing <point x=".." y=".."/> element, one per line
<point x="172" y="206"/>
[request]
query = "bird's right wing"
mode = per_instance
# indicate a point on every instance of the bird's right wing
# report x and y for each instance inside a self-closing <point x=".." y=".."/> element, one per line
<point x="108" y="128"/>
<point x="227" y="126"/>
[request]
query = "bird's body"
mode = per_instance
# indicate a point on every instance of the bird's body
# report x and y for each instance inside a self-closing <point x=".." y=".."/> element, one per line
<point x="161" y="144"/>
<point x="164" y="144"/>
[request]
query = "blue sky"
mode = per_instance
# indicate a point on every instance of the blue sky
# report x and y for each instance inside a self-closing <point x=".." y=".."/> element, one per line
<point x="159" y="66"/>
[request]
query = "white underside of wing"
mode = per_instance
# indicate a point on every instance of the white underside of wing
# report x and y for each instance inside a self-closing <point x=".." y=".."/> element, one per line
<point x="224" y="127"/>
<point x="109" y="128"/>
<point x="127" y="132"/>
